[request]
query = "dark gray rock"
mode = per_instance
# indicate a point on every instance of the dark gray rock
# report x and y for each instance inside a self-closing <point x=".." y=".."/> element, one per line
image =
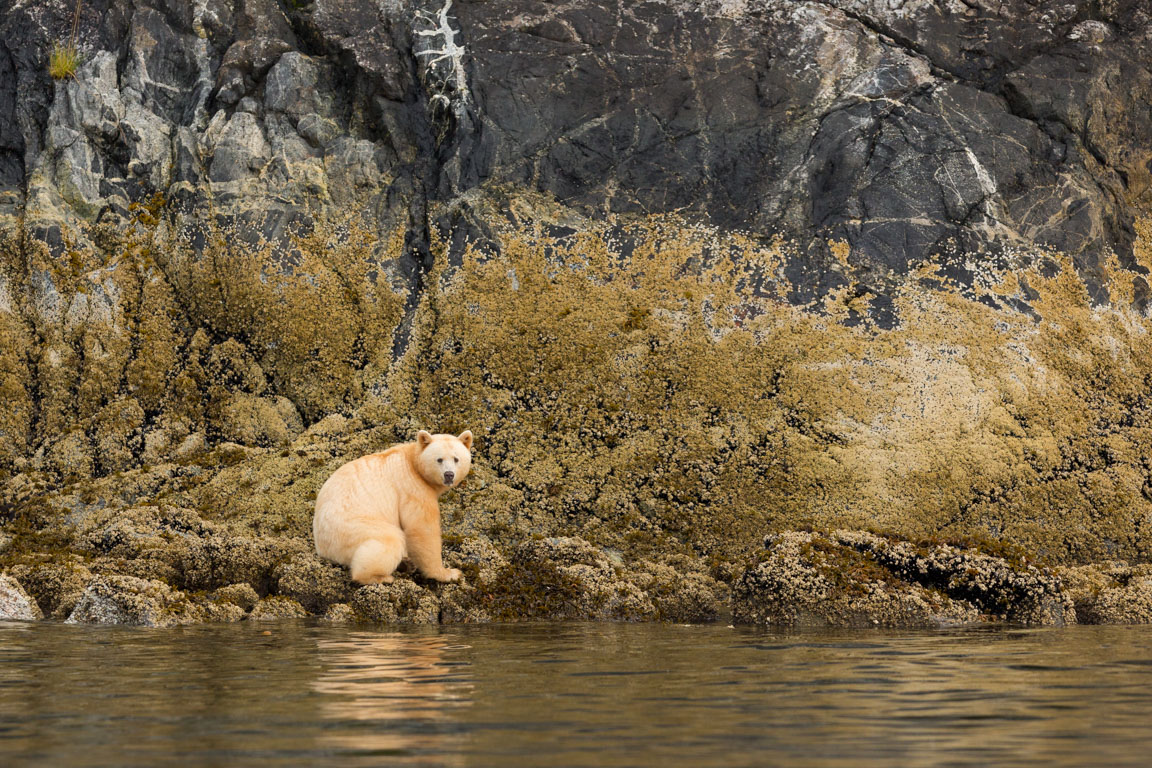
<point x="904" y="129"/>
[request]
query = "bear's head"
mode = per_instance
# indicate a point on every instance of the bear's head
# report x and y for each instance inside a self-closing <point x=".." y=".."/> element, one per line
<point x="443" y="460"/>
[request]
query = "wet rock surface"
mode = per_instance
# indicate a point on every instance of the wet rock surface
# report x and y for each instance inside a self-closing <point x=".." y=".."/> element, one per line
<point x="855" y="578"/>
<point x="133" y="601"/>
<point x="15" y="604"/>
<point x="401" y="602"/>
<point x="161" y="566"/>
<point x="843" y="578"/>
<point x="1111" y="593"/>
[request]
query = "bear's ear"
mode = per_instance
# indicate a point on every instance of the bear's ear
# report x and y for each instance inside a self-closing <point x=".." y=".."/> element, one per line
<point x="423" y="437"/>
<point x="466" y="438"/>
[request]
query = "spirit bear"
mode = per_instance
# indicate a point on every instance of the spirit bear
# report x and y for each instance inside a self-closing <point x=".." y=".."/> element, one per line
<point x="375" y="511"/>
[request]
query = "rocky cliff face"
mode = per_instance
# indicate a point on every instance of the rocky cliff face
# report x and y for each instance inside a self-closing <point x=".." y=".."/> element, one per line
<point x="691" y="270"/>
<point x="905" y="129"/>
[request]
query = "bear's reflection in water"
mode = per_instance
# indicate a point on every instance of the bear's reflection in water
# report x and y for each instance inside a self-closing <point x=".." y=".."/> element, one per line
<point x="393" y="695"/>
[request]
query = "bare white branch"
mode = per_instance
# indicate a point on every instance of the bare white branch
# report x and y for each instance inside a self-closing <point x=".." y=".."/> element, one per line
<point x="449" y="52"/>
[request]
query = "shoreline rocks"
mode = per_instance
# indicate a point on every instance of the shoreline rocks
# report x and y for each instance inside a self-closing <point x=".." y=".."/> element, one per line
<point x="163" y="567"/>
<point x="856" y="578"/>
<point x="132" y="601"/>
<point x="15" y="604"/>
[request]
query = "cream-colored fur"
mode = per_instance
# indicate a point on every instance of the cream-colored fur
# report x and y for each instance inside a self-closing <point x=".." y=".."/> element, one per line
<point x="375" y="511"/>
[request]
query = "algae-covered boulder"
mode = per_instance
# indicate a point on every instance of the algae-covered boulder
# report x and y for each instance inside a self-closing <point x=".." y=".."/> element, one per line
<point x="56" y="586"/>
<point x="219" y="612"/>
<point x="219" y="560"/>
<point x="554" y="578"/>
<point x="401" y="602"/>
<point x="567" y="577"/>
<point x="340" y="613"/>
<point x="277" y="607"/>
<point x="806" y="580"/>
<point x="596" y="588"/>
<point x="476" y="556"/>
<point x="243" y="596"/>
<point x="680" y="591"/>
<point x="251" y="420"/>
<point x="15" y="604"/>
<point x="1110" y="593"/>
<point x="230" y="603"/>
<point x="1127" y="604"/>
<point x="855" y="578"/>
<point x="313" y="582"/>
<point x="1007" y="588"/>
<point x="128" y="600"/>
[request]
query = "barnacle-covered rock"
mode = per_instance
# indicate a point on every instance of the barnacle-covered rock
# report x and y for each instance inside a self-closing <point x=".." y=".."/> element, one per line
<point x="856" y="578"/>
<point x="15" y="604"/>
<point x="807" y="580"/>
<point x="1110" y="592"/>
<point x="277" y="607"/>
<point x="241" y="595"/>
<point x="401" y="602"/>
<point x="313" y="582"/>
<point x="1016" y="591"/>
<point x="128" y="600"/>
<point x="221" y="559"/>
<point x="339" y="613"/>
<point x="55" y="585"/>
<point x="679" y="590"/>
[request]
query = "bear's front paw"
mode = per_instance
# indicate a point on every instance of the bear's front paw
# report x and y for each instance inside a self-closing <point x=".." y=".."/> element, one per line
<point x="450" y="574"/>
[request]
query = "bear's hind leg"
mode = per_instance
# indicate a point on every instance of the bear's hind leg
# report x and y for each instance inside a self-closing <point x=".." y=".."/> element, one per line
<point x="375" y="559"/>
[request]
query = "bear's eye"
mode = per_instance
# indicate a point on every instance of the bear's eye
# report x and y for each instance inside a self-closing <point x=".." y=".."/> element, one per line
<point x="456" y="459"/>
<point x="439" y="461"/>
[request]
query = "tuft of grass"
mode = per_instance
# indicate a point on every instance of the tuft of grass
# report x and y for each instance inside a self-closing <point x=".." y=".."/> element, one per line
<point x="65" y="57"/>
<point x="63" y="61"/>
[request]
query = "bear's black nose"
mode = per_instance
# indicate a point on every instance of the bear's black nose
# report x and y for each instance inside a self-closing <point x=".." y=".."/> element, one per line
<point x="448" y="477"/>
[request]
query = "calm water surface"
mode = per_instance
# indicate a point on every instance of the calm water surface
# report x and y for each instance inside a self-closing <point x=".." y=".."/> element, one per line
<point x="572" y="695"/>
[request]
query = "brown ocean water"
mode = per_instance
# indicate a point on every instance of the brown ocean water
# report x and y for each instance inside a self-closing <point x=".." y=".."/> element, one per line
<point x="572" y="695"/>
